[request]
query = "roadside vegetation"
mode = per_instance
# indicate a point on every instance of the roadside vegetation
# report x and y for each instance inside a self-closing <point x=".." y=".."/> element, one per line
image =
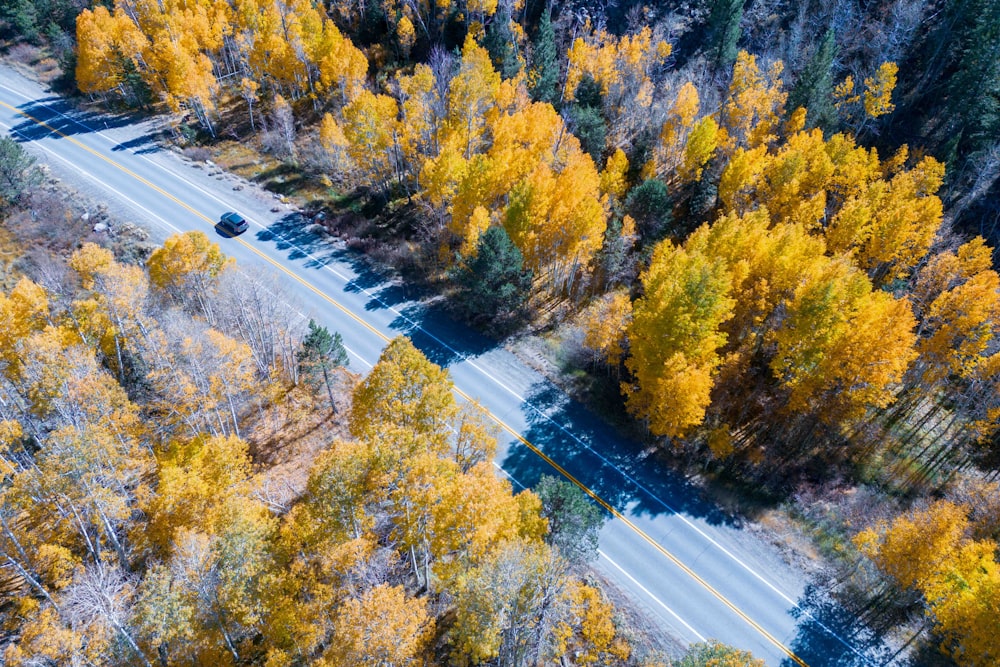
<point x="764" y="234"/>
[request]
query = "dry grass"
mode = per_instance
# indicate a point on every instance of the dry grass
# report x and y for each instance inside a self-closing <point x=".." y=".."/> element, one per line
<point x="10" y="251"/>
<point x="242" y="159"/>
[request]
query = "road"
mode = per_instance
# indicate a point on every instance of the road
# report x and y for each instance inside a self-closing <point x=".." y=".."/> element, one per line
<point x="694" y="568"/>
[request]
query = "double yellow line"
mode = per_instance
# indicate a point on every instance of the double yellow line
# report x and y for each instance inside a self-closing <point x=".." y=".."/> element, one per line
<point x="562" y="471"/>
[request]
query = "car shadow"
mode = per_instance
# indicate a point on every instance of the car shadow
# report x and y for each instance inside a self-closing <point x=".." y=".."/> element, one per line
<point x="223" y="232"/>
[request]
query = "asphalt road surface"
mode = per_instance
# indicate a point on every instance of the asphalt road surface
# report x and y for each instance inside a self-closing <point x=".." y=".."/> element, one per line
<point x="693" y="568"/>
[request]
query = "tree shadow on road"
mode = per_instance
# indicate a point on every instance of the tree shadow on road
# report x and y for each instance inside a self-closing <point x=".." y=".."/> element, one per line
<point x="620" y="470"/>
<point x="435" y="332"/>
<point x="62" y="119"/>
<point x="831" y="635"/>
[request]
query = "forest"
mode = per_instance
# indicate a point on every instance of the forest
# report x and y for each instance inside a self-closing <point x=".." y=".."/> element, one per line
<point x="769" y="224"/>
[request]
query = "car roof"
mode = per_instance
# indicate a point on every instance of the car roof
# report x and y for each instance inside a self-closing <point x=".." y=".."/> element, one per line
<point x="235" y="217"/>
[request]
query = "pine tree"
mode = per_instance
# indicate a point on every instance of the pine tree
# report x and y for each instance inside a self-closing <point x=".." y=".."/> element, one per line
<point x="18" y="173"/>
<point x="814" y="88"/>
<point x="974" y="93"/>
<point x="321" y="354"/>
<point x="502" y="45"/>
<point x="573" y="518"/>
<point x="545" y="62"/>
<point x="724" y="31"/>
<point x="495" y="285"/>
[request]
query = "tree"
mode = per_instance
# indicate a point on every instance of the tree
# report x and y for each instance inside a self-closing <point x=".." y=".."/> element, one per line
<point x="494" y="284"/>
<point x="605" y="324"/>
<point x="187" y="268"/>
<point x="724" y="31"/>
<point x="974" y="89"/>
<point x="716" y="654"/>
<point x="196" y="478"/>
<point x="109" y="54"/>
<point x="675" y="338"/>
<point x="404" y="405"/>
<point x="24" y="311"/>
<point x="471" y="98"/>
<point x="321" y="354"/>
<point x="558" y="218"/>
<point x="507" y="607"/>
<point x="614" y="178"/>
<point x="502" y="44"/>
<point x="111" y="308"/>
<point x="650" y="206"/>
<point x="915" y="548"/>
<point x="590" y="128"/>
<point x="814" y="88"/>
<point x="573" y="518"/>
<point x="878" y="90"/>
<point x="929" y="550"/>
<point x="842" y="347"/>
<point x="18" y="173"/>
<point x="382" y="627"/>
<point x="545" y="62"/>
<point x="754" y="105"/>
<point x="699" y="149"/>
<point x="371" y="129"/>
<point x="280" y="137"/>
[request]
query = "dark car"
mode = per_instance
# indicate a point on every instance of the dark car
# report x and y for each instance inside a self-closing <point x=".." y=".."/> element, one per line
<point x="234" y="223"/>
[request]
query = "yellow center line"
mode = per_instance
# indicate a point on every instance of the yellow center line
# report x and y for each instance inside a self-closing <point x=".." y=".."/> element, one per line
<point x="323" y="295"/>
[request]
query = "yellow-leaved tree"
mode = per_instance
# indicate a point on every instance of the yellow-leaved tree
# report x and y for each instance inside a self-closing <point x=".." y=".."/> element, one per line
<point x="675" y="336"/>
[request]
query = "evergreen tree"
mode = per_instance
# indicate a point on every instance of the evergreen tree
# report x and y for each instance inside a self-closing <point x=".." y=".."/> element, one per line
<point x="724" y="31"/>
<point x="589" y="127"/>
<point x="22" y="16"/>
<point x="814" y="88"/>
<point x="650" y="206"/>
<point x="321" y="354"/>
<point x="494" y="283"/>
<point x="545" y="62"/>
<point x="573" y="519"/>
<point x="18" y="173"/>
<point x="974" y="91"/>
<point x="500" y="42"/>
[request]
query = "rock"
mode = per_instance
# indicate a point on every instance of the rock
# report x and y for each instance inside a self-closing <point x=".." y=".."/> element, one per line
<point x="85" y="217"/>
<point x="275" y="209"/>
<point x="101" y="227"/>
<point x="237" y="187"/>
<point x="209" y="163"/>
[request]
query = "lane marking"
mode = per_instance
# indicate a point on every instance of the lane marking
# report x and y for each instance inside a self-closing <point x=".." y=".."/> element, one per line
<point x="503" y="425"/>
<point x="655" y="599"/>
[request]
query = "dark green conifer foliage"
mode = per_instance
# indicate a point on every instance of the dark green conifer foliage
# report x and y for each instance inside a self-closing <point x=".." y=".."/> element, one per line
<point x="573" y="518"/>
<point x="494" y="284"/>
<point x="650" y="206"/>
<point x="724" y="31"/>
<point x="545" y="62"/>
<point x="974" y="90"/>
<point x="18" y="173"/>
<point x="814" y="87"/>
<point x="500" y="42"/>
<point x="321" y="354"/>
